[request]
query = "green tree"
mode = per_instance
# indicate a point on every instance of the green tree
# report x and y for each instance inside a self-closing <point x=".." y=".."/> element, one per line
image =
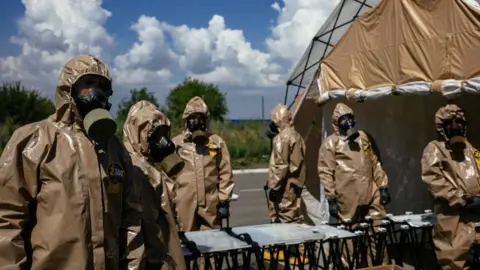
<point x="182" y="93"/>
<point x="136" y="95"/>
<point x="20" y="106"/>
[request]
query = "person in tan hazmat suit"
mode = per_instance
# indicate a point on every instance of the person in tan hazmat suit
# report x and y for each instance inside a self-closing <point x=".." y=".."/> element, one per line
<point x="146" y="135"/>
<point x="450" y="168"/>
<point x="286" y="175"/>
<point x="204" y="187"/>
<point x="287" y="171"/>
<point x="355" y="183"/>
<point x="68" y="198"/>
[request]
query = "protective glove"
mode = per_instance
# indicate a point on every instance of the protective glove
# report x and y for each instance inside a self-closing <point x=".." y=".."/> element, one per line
<point x="223" y="210"/>
<point x="273" y="195"/>
<point x="384" y="196"/>
<point x="473" y="205"/>
<point x="332" y="208"/>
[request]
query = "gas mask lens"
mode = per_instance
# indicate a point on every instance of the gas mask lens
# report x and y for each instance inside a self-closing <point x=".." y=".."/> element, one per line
<point x="196" y="121"/>
<point x="196" y="124"/>
<point x="347" y="124"/>
<point x="161" y="131"/>
<point x="91" y="94"/>
<point x="162" y="151"/>
<point x="346" y="121"/>
<point x="455" y="128"/>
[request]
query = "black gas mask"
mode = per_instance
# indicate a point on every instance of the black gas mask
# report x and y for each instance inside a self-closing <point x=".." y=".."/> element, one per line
<point x="272" y="130"/>
<point x="455" y="130"/>
<point x="91" y="94"/>
<point x="197" y="125"/>
<point x="162" y="151"/>
<point x="346" y="124"/>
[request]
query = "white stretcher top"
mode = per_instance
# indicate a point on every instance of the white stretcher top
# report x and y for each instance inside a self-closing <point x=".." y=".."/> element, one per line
<point x="264" y="235"/>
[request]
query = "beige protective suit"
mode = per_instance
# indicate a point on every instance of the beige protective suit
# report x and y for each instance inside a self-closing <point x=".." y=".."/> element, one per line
<point x="158" y="222"/>
<point x="206" y="178"/>
<point x="64" y="203"/>
<point x="287" y="169"/>
<point x="451" y="177"/>
<point x="351" y="172"/>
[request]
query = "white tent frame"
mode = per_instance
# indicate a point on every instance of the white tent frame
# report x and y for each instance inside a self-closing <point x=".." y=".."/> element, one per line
<point x="304" y="74"/>
<point x="322" y="43"/>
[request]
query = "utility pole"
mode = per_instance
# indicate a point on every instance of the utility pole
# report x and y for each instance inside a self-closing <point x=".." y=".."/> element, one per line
<point x="263" y="109"/>
<point x="264" y="125"/>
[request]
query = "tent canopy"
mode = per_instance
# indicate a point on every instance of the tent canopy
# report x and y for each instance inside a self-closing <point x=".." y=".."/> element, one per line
<point x="405" y="47"/>
<point x="327" y="36"/>
<point x="401" y="125"/>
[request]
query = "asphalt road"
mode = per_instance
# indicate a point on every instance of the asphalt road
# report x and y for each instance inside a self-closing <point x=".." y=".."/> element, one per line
<point x="251" y="206"/>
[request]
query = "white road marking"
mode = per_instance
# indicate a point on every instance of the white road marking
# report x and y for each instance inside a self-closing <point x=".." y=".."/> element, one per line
<point x="250" y="171"/>
<point x="251" y="190"/>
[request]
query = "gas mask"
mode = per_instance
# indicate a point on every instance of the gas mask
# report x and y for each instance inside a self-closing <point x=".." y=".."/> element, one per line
<point x="162" y="151"/>
<point x="347" y="123"/>
<point x="196" y="124"/>
<point x="272" y="130"/>
<point x="91" y="94"/>
<point x="455" y="130"/>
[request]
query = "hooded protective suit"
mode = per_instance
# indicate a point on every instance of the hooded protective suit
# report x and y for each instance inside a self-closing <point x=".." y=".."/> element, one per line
<point x="287" y="170"/>
<point x="158" y="222"/>
<point x="452" y="177"/>
<point x="206" y="178"/>
<point x="351" y="172"/>
<point x="66" y="203"/>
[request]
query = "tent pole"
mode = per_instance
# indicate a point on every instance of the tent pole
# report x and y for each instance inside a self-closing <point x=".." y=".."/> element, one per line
<point x="286" y="94"/>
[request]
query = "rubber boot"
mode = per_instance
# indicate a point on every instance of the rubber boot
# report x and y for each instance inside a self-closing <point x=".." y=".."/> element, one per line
<point x="268" y="256"/>
<point x="299" y="257"/>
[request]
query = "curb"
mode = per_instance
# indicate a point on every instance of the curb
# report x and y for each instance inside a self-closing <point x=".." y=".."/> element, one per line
<point x="250" y="171"/>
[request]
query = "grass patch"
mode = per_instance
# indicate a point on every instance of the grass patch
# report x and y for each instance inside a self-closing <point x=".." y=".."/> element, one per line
<point x="246" y="141"/>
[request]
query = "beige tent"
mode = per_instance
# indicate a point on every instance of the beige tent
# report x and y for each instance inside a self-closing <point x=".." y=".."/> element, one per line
<point x="395" y="65"/>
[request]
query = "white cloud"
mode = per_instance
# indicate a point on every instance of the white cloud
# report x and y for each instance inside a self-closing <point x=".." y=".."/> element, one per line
<point x="216" y="54"/>
<point x="148" y="59"/>
<point x="298" y="21"/>
<point x="229" y="56"/>
<point x="51" y="33"/>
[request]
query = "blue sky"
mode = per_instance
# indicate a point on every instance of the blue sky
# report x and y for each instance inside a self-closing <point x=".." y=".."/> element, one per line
<point x="246" y="47"/>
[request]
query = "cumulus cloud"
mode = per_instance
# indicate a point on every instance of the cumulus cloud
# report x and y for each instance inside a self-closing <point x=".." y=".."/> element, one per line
<point x="149" y="58"/>
<point x="229" y="56"/>
<point x="50" y="33"/>
<point x="215" y="54"/>
<point x="297" y="23"/>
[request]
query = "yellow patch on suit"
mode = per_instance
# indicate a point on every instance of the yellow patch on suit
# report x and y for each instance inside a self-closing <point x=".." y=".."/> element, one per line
<point x="213" y="149"/>
<point x="476" y="154"/>
<point x="367" y="150"/>
<point x="115" y="173"/>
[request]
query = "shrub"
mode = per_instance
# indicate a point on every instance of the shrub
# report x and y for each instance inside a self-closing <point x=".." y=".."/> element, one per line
<point x="246" y="142"/>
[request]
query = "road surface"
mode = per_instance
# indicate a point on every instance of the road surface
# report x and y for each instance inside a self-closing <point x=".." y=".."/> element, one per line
<point x="251" y="206"/>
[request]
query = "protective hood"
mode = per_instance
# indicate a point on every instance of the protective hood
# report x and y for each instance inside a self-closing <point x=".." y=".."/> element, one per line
<point x="195" y="105"/>
<point x="66" y="110"/>
<point x="142" y="119"/>
<point x="282" y="117"/>
<point x="340" y="110"/>
<point x="447" y="112"/>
